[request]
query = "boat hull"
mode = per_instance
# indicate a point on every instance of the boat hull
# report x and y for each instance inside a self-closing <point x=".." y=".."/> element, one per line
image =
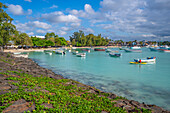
<point x="132" y="50"/>
<point x="145" y="60"/>
<point x="80" y="54"/>
<point x="115" y="55"/>
<point x="165" y="50"/>
<point x="99" y="49"/>
<point x="137" y="63"/>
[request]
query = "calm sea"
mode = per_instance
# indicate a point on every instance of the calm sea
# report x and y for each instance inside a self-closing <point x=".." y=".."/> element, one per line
<point x="145" y="83"/>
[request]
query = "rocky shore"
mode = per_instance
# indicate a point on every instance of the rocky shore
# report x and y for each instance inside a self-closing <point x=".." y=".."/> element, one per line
<point x="15" y="79"/>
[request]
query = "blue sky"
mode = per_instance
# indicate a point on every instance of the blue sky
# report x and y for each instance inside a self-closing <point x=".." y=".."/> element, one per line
<point x="116" y="19"/>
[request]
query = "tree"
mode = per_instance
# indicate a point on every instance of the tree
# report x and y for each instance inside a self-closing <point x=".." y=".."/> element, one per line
<point x="73" y="42"/>
<point x="7" y="29"/>
<point x="50" y="35"/>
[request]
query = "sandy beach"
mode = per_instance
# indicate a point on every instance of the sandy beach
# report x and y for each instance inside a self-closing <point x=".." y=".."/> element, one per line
<point x="42" y="49"/>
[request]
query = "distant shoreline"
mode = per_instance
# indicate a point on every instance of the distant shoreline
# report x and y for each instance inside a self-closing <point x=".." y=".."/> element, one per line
<point x="30" y="50"/>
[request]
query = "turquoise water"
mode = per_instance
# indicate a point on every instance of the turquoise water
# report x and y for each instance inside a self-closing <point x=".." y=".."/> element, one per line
<point x="145" y="83"/>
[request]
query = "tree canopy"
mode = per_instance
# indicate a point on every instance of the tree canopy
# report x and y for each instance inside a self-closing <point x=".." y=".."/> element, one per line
<point x="6" y="27"/>
<point x="79" y="39"/>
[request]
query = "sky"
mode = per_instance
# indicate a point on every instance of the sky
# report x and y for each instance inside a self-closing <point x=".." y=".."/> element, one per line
<point x="115" y="19"/>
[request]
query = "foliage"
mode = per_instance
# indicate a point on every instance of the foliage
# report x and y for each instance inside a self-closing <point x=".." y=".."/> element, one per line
<point x="79" y="39"/>
<point x="41" y="42"/>
<point x="6" y="27"/>
<point x="58" y="41"/>
<point x="64" y="97"/>
<point x="22" y="39"/>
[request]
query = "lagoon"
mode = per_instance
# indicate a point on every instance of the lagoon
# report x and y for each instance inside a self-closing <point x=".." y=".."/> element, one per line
<point x="145" y="83"/>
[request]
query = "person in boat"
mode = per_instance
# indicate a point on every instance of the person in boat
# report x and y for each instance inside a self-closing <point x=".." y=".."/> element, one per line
<point x="140" y="61"/>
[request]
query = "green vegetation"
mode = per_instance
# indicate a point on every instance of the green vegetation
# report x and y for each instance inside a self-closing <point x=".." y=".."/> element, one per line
<point x="63" y="96"/>
<point x="7" y="29"/>
<point x="79" y="39"/>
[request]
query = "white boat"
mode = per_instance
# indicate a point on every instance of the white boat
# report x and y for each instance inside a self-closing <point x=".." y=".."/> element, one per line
<point x="81" y="54"/>
<point x="133" y="50"/>
<point x="135" y="47"/>
<point x="39" y="50"/>
<point x="147" y="60"/>
<point x="17" y="53"/>
<point x="108" y="50"/>
<point x="21" y="55"/>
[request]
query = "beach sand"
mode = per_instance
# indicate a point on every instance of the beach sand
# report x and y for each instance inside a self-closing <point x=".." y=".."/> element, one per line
<point x="41" y="49"/>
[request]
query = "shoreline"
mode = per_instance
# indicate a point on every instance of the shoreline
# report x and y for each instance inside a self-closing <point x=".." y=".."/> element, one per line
<point x="27" y="65"/>
<point x="42" y="49"/>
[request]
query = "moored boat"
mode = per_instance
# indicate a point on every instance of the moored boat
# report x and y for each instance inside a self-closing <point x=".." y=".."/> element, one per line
<point x="108" y="50"/>
<point x="164" y="50"/>
<point x="137" y="63"/>
<point x="122" y="48"/>
<point x="87" y="49"/>
<point x="133" y="50"/>
<point x="115" y="54"/>
<point x="153" y="49"/>
<point x="99" y="49"/>
<point x="135" y="47"/>
<point x="75" y="52"/>
<point x="60" y="52"/>
<point x="81" y="54"/>
<point x="147" y="60"/>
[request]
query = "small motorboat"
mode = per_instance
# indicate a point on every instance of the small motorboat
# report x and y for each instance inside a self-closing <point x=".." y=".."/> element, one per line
<point x="17" y="53"/>
<point x="135" y="47"/>
<point x="122" y="48"/>
<point x="60" y="52"/>
<point x="153" y="49"/>
<point x="133" y="50"/>
<point x="147" y="60"/>
<point x="115" y="54"/>
<point x="87" y="49"/>
<point x="108" y="50"/>
<point x="99" y="49"/>
<point x="81" y="54"/>
<point x="50" y="53"/>
<point x="75" y="52"/>
<point x="164" y="50"/>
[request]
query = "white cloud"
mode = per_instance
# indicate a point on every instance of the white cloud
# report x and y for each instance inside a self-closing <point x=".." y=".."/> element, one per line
<point x="28" y="0"/>
<point x="65" y="28"/>
<point x="75" y="25"/>
<point x="22" y="27"/>
<point x="60" y="32"/>
<point x="88" y="12"/>
<point x="30" y="33"/>
<point x="39" y="24"/>
<point x="53" y="6"/>
<point x="41" y="31"/>
<point x="15" y="9"/>
<point x="59" y="17"/>
<point x="148" y="35"/>
<point x="88" y="30"/>
<point x="89" y="9"/>
<point x="18" y="10"/>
